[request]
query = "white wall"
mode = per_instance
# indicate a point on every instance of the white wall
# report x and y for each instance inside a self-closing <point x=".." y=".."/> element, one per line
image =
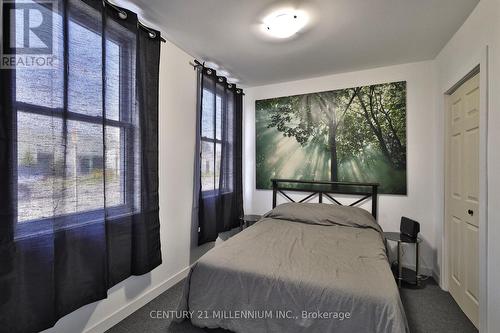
<point x="177" y="135"/>
<point x="461" y="54"/>
<point x="420" y="201"/>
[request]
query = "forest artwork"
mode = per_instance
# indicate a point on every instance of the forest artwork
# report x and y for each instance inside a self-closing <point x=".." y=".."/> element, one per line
<point x="356" y="134"/>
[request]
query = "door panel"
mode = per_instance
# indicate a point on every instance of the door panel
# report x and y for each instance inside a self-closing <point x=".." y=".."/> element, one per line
<point x="471" y="172"/>
<point x="456" y="266"/>
<point x="456" y="115"/>
<point x="471" y="96"/>
<point x="471" y="278"/>
<point x="456" y="166"/>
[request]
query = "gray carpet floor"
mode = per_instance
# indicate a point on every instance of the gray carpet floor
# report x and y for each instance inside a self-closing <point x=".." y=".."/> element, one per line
<point x="429" y="310"/>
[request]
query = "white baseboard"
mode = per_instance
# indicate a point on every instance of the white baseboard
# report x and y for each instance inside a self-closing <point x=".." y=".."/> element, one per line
<point x="137" y="303"/>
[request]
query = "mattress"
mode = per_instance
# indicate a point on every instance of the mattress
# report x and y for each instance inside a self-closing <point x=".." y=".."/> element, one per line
<point x="302" y="268"/>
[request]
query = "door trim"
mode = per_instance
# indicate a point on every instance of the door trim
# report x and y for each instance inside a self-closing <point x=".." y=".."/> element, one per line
<point x="483" y="69"/>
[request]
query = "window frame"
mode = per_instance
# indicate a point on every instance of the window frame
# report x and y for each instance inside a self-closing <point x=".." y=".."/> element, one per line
<point x="215" y="189"/>
<point x="215" y="141"/>
<point x="125" y="124"/>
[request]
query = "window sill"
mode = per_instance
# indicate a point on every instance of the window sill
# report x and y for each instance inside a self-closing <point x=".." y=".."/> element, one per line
<point x="214" y="193"/>
<point x="47" y="226"/>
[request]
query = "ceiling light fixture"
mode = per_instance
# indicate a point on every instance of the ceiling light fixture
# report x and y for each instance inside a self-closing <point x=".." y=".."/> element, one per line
<point x="284" y="23"/>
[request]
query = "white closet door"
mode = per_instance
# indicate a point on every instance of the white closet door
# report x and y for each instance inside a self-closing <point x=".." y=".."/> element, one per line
<point x="463" y="200"/>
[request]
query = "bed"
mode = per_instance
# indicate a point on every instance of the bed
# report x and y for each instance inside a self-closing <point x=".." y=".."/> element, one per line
<point x="304" y="267"/>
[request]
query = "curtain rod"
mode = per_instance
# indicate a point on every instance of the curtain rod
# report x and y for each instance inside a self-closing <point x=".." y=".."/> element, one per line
<point x="123" y="15"/>
<point x="195" y="63"/>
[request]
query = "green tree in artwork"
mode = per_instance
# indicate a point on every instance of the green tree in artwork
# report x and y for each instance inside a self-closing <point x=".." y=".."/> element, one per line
<point x="345" y="122"/>
<point x="381" y="107"/>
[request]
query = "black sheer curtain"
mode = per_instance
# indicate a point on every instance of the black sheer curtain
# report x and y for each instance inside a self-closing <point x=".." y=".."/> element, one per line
<point x="218" y="166"/>
<point x="78" y="163"/>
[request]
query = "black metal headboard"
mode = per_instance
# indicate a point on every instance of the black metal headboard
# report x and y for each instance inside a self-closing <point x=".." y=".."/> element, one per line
<point x="364" y="190"/>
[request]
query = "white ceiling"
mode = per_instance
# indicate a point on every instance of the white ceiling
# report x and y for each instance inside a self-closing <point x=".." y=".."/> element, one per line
<point x="343" y="35"/>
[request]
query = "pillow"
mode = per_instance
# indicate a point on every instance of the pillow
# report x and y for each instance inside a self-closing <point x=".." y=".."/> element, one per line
<point x="324" y="214"/>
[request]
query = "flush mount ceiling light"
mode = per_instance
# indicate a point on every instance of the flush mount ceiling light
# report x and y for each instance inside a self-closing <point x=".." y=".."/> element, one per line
<point x="284" y="23"/>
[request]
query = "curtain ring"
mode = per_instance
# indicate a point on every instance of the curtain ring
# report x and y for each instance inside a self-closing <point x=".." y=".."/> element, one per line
<point x="229" y="85"/>
<point x="221" y="79"/>
<point x="238" y="91"/>
<point x="121" y="13"/>
<point x="209" y="71"/>
<point x="152" y="34"/>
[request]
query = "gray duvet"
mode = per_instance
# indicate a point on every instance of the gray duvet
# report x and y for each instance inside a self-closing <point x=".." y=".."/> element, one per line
<point x="302" y="268"/>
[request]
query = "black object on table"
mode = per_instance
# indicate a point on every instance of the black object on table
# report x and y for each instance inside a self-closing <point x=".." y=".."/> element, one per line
<point x="248" y="220"/>
<point x="404" y="274"/>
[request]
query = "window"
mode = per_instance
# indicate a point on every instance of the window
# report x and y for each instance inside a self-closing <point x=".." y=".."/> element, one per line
<point x="220" y="203"/>
<point x="74" y="154"/>
<point x="211" y="140"/>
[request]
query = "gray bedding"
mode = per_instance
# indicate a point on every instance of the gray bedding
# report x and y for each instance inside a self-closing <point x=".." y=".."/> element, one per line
<point x="302" y="268"/>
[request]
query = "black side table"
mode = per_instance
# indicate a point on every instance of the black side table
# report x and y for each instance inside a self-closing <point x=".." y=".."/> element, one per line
<point x="404" y="274"/>
<point x="248" y="220"/>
